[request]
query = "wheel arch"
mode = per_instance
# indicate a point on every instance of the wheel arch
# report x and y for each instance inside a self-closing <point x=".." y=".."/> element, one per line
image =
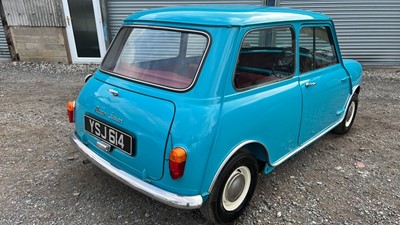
<point x="255" y="148"/>
<point x="357" y="89"/>
<point x="260" y="152"/>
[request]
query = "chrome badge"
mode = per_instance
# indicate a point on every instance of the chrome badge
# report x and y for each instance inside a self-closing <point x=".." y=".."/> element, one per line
<point x="111" y="116"/>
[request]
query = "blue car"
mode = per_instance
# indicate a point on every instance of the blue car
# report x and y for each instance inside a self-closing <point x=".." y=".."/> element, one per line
<point x="191" y="103"/>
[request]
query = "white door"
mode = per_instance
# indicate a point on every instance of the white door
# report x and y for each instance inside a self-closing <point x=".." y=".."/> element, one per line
<point x="84" y="30"/>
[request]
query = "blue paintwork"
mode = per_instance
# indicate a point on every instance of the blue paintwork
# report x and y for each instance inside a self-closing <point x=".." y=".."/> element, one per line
<point x="213" y="120"/>
<point x="129" y="109"/>
<point x="354" y="69"/>
<point x="318" y="111"/>
<point x="224" y="15"/>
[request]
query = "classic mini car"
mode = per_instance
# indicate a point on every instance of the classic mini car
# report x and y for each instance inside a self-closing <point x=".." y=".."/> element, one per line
<point x="191" y="103"/>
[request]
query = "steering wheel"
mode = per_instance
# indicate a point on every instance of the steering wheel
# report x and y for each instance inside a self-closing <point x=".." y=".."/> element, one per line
<point x="285" y="62"/>
<point x="306" y="62"/>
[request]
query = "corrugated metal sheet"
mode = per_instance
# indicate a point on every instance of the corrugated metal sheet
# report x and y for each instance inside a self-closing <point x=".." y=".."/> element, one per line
<point x="119" y="9"/>
<point x="148" y="45"/>
<point x="4" y="52"/>
<point x="368" y="30"/>
<point x="34" y="13"/>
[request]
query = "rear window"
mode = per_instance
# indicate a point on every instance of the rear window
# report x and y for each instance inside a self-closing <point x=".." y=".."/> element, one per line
<point x="160" y="57"/>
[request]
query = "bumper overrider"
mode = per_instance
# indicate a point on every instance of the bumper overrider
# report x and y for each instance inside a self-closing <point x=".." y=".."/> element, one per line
<point x="168" y="198"/>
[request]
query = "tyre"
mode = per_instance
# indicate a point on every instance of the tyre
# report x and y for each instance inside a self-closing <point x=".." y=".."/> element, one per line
<point x="232" y="190"/>
<point x="348" y="120"/>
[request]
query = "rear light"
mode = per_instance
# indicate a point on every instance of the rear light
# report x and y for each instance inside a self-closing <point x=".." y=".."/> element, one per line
<point x="70" y="110"/>
<point x="177" y="160"/>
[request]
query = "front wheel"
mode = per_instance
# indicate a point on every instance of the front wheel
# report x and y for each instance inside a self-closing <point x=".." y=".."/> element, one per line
<point x="233" y="189"/>
<point x="348" y="120"/>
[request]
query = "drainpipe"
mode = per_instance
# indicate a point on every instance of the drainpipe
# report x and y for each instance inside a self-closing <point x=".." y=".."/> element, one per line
<point x="106" y="24"/>
<point x="13" y="54"/>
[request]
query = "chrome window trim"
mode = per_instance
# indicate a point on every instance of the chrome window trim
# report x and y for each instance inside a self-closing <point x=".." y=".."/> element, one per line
<point x="209" y="40"/>
<point x="314" y="25"/>
<point x="269" y="26"/>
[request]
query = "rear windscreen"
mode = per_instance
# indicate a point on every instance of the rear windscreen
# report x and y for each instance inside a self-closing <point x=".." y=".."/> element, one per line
<point x="161" y="57"/>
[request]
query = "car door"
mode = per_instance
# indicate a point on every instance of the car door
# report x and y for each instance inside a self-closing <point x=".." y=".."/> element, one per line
<point x="264" y="105"/>
<point x="324" y="83"/>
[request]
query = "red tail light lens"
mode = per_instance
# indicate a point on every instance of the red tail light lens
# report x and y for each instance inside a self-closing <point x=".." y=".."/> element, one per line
<point x="177" y="161"/>
<point x="70" y="110"/>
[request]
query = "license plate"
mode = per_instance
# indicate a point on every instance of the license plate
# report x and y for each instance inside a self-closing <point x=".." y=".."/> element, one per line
<point x="109" y="134"/>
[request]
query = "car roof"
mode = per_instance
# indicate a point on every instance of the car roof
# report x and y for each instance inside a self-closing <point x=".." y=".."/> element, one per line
<point x="223" y="15"/>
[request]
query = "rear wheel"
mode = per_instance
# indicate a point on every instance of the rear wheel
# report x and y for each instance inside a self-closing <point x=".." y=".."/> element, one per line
<point x="233" y="189"/>
<point x="348" y="120"/>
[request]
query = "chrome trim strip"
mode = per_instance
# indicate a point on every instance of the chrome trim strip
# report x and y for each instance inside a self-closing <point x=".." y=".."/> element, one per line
<point x="205" y="53"/>
<point x="237" y="148"/>
<point x="87" y="77"/>
<point x="165" y="197"/>
<point x="287" y="156"/>
<point x="355" y="88"/>
<point x="284" y="158"/>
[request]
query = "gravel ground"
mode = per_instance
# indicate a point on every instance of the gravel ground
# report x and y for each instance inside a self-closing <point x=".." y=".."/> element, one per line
<point x="351" y="179"/>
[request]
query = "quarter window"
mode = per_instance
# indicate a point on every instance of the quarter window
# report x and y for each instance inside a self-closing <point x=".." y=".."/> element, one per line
<point x="317" y="49"/>
<point x="266" y="56"/>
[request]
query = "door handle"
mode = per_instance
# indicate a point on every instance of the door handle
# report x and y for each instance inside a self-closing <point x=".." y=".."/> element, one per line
<point x="344" y="79"/>
<point x="310" y="84"/>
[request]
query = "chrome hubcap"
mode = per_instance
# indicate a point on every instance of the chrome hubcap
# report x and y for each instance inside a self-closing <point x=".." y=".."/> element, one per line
<point x="235" y="187"/>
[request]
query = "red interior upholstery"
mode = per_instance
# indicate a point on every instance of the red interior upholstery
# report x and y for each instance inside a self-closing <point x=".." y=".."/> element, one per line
<point x="244" y="79"/>
<point x="259" y="60"/>
<point x="164" y="78"/>
<point x="262" y="60"/>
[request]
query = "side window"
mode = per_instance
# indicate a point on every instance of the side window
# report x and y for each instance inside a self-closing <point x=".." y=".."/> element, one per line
<point x="266" y="56"/>
<point x="317" y="49"/>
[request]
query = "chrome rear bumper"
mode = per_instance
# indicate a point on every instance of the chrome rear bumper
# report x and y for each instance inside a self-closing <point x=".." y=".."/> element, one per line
<point x="168" y="198"/>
